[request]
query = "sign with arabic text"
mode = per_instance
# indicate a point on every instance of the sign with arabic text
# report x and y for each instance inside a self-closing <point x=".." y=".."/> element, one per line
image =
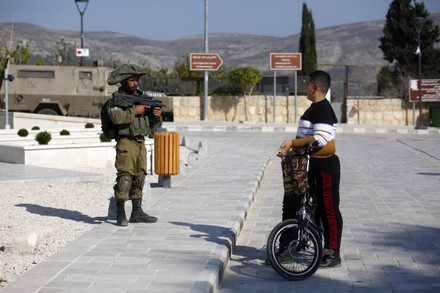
<point x="430" y="90"/>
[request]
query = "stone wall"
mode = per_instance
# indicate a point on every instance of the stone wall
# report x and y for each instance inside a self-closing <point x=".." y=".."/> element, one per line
<point x="384" y="111"/>
<point x="233" y="108"/>
<point x="360" y="110"/>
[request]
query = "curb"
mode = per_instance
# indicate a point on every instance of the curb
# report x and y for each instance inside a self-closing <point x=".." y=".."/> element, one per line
<point x="210" y="278"/>
<point x="342" y="128"/>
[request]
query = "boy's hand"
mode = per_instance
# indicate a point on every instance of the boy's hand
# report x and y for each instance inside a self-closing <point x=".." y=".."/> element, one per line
<point x="285" y="148"/>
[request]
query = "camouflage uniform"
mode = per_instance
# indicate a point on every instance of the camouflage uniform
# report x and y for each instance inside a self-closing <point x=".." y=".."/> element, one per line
<point x="131" y="154"/>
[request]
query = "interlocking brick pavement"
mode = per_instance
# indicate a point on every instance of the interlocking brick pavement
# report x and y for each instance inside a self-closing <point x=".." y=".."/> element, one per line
<point x="389" y="200"/>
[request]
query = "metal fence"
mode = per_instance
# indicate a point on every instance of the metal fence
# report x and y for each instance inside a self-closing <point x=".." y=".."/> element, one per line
<point x="347" y="80"/>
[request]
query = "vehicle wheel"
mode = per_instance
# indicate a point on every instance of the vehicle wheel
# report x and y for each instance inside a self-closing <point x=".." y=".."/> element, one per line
<point x="298" y="259"/>
<point x="47" y="111"/>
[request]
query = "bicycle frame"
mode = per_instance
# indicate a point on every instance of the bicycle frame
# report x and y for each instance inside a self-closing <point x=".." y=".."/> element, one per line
<point x="306" y="213"/>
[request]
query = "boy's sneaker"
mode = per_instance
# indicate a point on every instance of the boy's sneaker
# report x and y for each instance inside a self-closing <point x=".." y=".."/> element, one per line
<point x="284" y="257"/>
<point x="331" y="260"/>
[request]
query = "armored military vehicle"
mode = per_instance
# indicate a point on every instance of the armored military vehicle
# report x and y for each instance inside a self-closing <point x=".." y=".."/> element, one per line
<point x="64" y="90"/>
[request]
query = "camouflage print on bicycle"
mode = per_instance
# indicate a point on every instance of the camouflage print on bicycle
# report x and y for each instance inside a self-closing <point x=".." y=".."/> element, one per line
<point x="295" y="182"/>
<point x="294" y="175"/>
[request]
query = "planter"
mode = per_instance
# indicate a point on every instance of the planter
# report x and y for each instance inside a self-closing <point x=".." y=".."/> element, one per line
<point x="78" y="156"/>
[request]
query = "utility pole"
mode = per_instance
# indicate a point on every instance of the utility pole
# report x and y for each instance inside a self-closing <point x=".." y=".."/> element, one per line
<point x="344" y="102"/>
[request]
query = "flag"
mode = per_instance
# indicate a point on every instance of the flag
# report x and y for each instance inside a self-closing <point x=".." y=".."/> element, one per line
<point x="418" y="51"/>
<point x="82" y="52"/>
<point x="328" y="95"/>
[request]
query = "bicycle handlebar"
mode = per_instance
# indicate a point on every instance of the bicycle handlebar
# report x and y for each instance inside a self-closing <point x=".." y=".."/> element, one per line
<point x="308" y="148"/>
<point x="311" y="145"/>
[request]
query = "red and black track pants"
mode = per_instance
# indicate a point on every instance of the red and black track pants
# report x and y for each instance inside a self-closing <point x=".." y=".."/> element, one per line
<point x="324" y="179"/>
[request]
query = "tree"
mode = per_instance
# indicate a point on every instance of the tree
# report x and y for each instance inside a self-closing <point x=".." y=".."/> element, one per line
<point x="399" y="43"/>
<point x="246" y="78"/>
<point x="307" y="43"/>
<point x="221" y="72"/>
<point x="21" y="55"/>
<point x="65" y="53"/>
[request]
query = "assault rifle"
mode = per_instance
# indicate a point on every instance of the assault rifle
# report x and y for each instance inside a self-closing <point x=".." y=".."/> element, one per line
<point x="127" y="101"/>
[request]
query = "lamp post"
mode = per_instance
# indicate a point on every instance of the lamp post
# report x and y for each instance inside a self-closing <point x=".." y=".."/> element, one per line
<point x="418" y="22"/>
<point x="82" y="6"/>
<point x="8" y="77"/>
<point x="205" y="77"/>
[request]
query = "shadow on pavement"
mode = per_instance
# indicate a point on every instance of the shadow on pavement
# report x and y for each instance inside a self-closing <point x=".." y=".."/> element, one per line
<point x="62" y="213"/>
<point x="216" y="234"/>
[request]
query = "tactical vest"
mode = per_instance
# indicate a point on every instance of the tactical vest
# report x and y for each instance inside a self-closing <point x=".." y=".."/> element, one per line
<point x="139" y="127"/>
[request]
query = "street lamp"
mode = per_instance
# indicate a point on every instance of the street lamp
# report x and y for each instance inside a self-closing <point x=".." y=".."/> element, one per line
<point x="418" y="22"/>
<point x="82" y="6"/>
<point x="205" y="77"/>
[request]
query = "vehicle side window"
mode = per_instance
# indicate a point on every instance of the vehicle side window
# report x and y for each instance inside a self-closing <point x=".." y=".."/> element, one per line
<point x="36" y="73"/>
<point x="85" y="75"/>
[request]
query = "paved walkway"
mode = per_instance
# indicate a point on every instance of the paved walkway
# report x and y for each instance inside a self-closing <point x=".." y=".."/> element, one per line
<point x="390" y="204"/>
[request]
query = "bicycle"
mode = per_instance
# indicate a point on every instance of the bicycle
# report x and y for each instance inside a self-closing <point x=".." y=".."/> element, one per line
<point x="300" y="255"/>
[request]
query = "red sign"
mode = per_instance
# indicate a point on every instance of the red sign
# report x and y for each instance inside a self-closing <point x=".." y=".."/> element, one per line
<point x="205" y="61"/>
<point x="285" y="61"/>
<point x="430" y="90"/>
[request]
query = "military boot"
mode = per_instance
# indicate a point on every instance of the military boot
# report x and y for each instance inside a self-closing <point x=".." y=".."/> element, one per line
<point x="121" y="219"/>
<point x="138" y="215"/>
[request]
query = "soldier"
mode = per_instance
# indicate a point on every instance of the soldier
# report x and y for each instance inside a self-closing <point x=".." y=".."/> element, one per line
<point x="133" y="124"/>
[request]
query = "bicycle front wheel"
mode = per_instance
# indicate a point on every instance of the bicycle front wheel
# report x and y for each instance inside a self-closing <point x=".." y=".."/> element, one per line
<point x="292" y="256"/>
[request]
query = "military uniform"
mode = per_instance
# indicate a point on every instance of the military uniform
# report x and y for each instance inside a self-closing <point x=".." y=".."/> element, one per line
<point x="131" y="154"/>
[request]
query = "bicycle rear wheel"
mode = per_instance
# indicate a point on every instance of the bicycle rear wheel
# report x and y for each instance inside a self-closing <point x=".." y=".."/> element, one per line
<point x="291" y="257"/>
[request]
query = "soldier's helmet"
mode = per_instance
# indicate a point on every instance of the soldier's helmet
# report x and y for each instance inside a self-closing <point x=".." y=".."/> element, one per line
<point x="124" y="71"/>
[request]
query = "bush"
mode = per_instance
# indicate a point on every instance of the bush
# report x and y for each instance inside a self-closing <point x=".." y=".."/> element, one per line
<point x="43" y="137"/>
<point x="36" y="128"/>
<point x="23" y="132"/>
<point x="89" y="125"/>
<point x="64" y="132"/>
<point x="104" y="138"/>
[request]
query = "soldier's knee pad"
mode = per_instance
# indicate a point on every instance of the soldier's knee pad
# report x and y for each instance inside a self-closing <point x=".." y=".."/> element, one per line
<point x="122" y="187"/>
<point x="137" y="186"/>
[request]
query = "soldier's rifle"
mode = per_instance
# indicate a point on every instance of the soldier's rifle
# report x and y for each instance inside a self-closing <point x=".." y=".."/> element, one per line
<point x="127" y="101"/>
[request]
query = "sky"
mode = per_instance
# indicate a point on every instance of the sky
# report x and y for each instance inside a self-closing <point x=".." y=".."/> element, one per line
<point x="164" y="20"/>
